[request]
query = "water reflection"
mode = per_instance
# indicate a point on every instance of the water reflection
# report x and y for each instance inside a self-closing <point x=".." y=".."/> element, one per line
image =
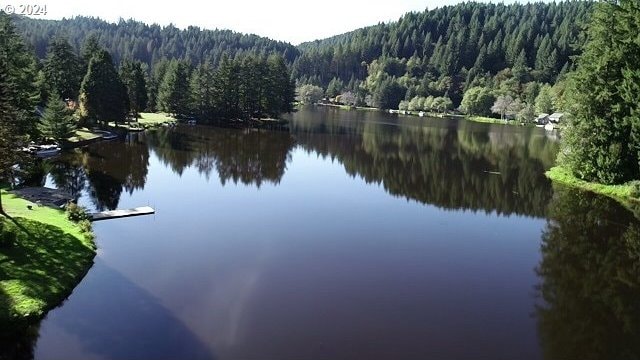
<point x="590" y="272"/>
<point x="104" y="170"/>
<point x="355" y="273"/>
<point x="18" y="343"/>
<point x="106" y="330"/>
<point x="246" y="156"/>
<point x="454" y="165"/>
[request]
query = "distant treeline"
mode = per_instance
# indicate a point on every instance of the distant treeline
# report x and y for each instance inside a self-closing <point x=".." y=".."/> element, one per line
<point x="507" y="50"/>
<point x="86" y="86"/>
<point x="149" y="43"/>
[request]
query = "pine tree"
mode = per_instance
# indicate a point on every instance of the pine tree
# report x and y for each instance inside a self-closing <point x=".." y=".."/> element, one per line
<point x="103" y="97"/>
<point x="57" y="122"/>
<point x="173" y="94"/>
<point x="133" y="79"/>
<point x="63" y="69"/>
<point x="16" y="97"/>
<point x="21" y="71"/>
<point x="602" y="139"/>
<point x="202" y="91"/>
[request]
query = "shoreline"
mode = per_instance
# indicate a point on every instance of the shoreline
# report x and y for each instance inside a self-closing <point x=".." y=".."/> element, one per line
<point x="473" y="118"/>
<point x="624" y="193"/>
<point x="43" y="259"/>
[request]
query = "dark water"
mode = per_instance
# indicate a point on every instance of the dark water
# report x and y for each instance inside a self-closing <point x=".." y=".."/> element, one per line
<point x="355" y="236"/>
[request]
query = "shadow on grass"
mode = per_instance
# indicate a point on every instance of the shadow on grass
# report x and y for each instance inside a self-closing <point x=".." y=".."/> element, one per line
<point x="39" y="270"/>
<point x="15" y="222"/>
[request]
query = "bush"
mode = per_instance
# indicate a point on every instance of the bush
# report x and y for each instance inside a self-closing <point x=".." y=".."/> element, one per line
<point x="635" y="189"/>
<point x="76" y="213"/>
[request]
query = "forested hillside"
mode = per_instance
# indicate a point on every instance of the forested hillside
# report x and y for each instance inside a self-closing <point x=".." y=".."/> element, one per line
<point x="446" y="51"/>
<point x="484" y="59"/>
<point x="149" y="43"/>
<point x="473" y="36"/>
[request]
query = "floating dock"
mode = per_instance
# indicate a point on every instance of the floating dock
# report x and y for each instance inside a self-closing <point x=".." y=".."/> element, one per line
<point x="116" y="214"/>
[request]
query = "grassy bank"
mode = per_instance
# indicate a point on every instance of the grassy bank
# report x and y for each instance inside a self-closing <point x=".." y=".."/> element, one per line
<point x="484" y="119"/>
<point x="349" y="107"/>
<point x="42" y="265"/>
<point x="627" y="193"/>
<point x="147" y="121"/>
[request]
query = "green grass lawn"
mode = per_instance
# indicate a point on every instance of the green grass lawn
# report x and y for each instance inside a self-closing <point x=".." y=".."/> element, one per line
<point x="147" y="121"/>
<point x="155" y="118"/>
<point x="83" y="134"/>
<point x="624" y="192"/>
<point x="49" y="257"/>
<point x="484" y="119"/>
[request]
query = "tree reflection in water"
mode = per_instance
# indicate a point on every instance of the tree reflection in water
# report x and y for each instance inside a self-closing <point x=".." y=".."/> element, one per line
<point x="248" y="156"/>
<point x="450" y="164"/>
<point x="590" y="274"/>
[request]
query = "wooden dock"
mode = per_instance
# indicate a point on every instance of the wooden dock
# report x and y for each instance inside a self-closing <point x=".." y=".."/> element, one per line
<point x="115" y="214"/>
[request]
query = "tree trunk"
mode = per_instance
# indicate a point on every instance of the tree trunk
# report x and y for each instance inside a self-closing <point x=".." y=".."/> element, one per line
<point x="1" y="208"/>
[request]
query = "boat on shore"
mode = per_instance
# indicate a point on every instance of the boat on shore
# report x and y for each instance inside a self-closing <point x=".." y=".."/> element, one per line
<point x="42" y="151"/>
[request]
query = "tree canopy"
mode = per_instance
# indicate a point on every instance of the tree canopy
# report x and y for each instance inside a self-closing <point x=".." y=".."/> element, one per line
<point x="602" y="139"/>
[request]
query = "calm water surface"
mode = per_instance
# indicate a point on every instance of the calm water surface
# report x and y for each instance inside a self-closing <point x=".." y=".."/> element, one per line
<point x="355" y="236"/>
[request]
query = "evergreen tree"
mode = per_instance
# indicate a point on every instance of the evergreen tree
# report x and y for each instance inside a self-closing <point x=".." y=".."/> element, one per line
<point x="57" y="122"/>
<point x="63" y="70"/>
<point x="133" y="79"/>
<point x="17" y="98"/>
<point x="21" y="71"/>
<point x="335" y="87"/>
<point x="228" y="89"/>
<point x="202" y="90"/>
<point x="173" y="94"/>
<point x="602" y="139"/>
<point x="103" y="97"/>
<point x="281" y="94"/>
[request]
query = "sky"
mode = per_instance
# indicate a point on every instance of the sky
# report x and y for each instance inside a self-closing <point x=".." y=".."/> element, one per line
<point x="286" y="20"/>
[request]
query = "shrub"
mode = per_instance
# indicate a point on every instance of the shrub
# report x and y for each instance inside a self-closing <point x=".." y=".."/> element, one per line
<point x="76" y="213"/>
<point x="635" y="189"/>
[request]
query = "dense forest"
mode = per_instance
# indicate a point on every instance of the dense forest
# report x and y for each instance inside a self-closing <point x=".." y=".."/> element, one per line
<point x="424" y="61"/>
<point x="509" y="50"/>
<point x="149" y="43"/>
<point x="506" y="61"/>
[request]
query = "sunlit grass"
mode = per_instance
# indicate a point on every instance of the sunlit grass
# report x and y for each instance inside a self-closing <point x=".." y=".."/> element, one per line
<point x="46" y="261"/>
<point x="484" y="119"/>
<point x="623" y="192"/>
<point x="84" y="134"/>
<point x="155" y="118"/>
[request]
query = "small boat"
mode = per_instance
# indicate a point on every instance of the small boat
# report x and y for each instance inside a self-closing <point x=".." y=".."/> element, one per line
<point x="192" y="122"/>
<point x="44" y="151"/>
<point x="549" y="127"/>
<point x="421" y="113"/>
<point x="106" y="135"/>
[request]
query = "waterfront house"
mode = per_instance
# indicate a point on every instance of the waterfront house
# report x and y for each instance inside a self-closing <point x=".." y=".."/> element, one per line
<point x="556" y="117"/>
<point x="542" y="119"/>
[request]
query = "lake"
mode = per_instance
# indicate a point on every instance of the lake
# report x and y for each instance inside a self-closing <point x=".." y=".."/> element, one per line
<point x="355" y="235"/>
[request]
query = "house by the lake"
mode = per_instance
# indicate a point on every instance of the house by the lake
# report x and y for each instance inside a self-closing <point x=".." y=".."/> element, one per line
<point x="542" y="119"/>
<point x="556" y="117"/>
